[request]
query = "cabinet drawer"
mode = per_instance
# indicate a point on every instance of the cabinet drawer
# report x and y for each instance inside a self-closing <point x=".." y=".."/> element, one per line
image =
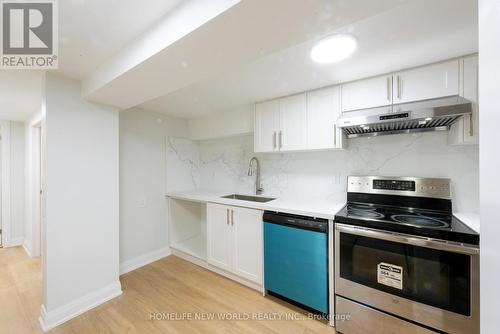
<point x="367" y="320"/>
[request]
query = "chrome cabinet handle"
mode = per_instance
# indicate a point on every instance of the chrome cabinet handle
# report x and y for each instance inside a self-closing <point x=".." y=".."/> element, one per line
<point x="471" y="125"/>
<point x="274" y="140"/>
<point x="399" y="87"/>
<point x="232" y="217"/>
<point x="280" y="140"/>
<point x="227" y="216"/>
<point x="389" y="89"/>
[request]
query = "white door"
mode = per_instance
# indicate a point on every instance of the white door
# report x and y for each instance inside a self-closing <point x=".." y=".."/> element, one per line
<point x="266" y="126"/>
<point x="367" y="93"/>
<point x="247" y="247"/>
<point x="292" y="135"/>
<point x="323" y="109"/>
<point x="427" y="82"/>
<point x="219" y="238"/>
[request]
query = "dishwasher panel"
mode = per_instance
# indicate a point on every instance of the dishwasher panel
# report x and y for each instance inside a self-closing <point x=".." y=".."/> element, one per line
<point x="296" y="261"/>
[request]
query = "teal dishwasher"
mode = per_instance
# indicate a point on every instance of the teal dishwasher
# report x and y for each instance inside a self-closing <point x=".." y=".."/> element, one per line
<point x="296" y="260"/>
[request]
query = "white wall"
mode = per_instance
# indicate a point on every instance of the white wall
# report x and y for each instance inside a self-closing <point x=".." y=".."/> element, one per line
<point x="489" y="137"/>
<point x="224" y="124"/>
<point x="81" y="220"/>
<point x="143" y="209"/>
<point x="223" y="166"/>
<point x="13" y="165"/>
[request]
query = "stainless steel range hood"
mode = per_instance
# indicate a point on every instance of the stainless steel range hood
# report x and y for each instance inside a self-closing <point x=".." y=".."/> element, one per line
<point x="428" y="115"/>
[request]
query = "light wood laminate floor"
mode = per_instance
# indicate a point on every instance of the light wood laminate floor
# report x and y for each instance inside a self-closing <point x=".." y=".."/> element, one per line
<point x="165" y="288"/>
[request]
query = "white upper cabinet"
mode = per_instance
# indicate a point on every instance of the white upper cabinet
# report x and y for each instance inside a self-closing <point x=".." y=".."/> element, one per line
<point x="323" y="109"/>
<point x="368" y="93"/>
<point x="266" y="126"/>
<point x="466" y="130"/>
<point x="293" y="123"/>
<point x="308" y="121"/>
<point x="280" y="125"/>
<point x="427" y="82"/>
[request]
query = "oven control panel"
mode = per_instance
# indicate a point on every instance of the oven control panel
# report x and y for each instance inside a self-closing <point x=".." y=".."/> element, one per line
<point x="406" y="186"/>
<point x="394" y="185"/>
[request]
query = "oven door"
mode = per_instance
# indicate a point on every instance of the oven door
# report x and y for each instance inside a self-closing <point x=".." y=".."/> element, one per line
<point x="434" y="283"/>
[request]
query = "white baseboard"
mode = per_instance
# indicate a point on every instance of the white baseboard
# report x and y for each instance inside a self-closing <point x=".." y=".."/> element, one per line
<point x="51" y="319"/>
<point x="140" y="261"/>
<point x="13" y="242"/>
<point x="27" y="248"/>
<point x="204" y="264"/>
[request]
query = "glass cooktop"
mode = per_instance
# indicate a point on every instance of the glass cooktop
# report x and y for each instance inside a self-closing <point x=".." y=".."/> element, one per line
<point x="421" y="222"/>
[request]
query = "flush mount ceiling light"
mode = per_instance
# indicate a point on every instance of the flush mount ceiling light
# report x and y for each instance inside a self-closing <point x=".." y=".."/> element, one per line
<point x="333" y="49"/>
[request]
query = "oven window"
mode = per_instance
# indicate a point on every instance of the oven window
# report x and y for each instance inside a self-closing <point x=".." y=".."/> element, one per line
<point x="433" y="277"/>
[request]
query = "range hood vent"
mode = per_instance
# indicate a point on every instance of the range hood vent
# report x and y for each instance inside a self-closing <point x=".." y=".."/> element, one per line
<point x="428" y="115"/>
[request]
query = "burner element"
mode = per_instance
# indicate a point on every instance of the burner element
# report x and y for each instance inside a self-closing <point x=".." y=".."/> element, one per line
<point x="420" y="221"/>
<point x="364" y="211"/>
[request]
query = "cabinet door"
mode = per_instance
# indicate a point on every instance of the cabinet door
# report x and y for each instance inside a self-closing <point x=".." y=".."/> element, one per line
<point x="428" y="82"/>
<point x="323" y="109"/>
<point x="367" y="93"/>
<point x="470" y="92"/>
<point x="293" y="126"/>
<point x="266" y="126"/>
<point x="247" y="247"/>
<point x="219" y="238"/>
<point x="466" y="130"/>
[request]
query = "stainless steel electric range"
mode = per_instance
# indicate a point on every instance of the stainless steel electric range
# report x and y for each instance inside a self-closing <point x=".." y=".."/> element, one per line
<point x="404" y="263"/>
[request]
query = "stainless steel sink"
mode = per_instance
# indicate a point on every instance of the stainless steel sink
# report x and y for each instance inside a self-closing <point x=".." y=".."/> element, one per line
<point x="249" y="198"/>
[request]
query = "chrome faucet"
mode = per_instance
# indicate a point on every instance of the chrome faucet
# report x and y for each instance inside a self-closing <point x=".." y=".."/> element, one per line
<point x="258" y="185"/>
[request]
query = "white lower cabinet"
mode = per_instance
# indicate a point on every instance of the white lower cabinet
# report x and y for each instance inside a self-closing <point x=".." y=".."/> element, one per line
<point x="234" y="240"/>
<point x="219" y="236"/>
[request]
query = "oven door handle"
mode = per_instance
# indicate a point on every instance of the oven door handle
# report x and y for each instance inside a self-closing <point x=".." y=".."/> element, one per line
<point x="449" y="246"/>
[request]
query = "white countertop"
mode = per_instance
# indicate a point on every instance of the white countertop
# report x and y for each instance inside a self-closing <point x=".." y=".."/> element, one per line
<point x="469" y="219"/>
<point x="319" y="207"/>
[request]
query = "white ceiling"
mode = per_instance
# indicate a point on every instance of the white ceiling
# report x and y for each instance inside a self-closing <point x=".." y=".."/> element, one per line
<point x="249" y="30"/>
<point x="20" y="94"/>
<point x="252" y="52"/>
<point x="415" y="33"/>
<point x="91" y="31"/>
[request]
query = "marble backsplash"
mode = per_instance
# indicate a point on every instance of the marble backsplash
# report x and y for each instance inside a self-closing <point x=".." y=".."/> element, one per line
<point x="222" y="165"/>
